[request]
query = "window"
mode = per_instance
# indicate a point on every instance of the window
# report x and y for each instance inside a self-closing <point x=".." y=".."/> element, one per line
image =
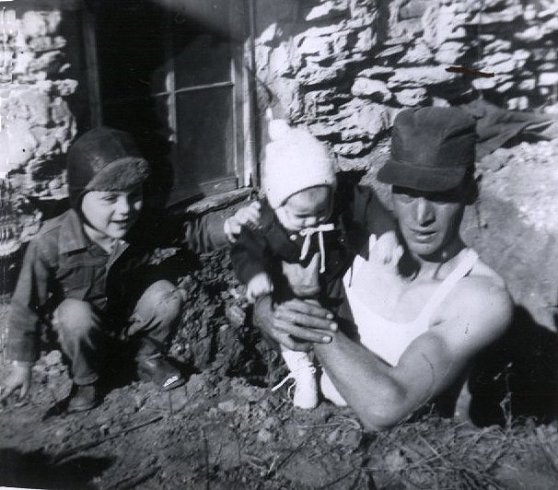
<point x="178" y="83"/>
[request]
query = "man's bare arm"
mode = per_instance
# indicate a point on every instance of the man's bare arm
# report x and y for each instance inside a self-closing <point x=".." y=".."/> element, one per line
<point x="383" y="395"/>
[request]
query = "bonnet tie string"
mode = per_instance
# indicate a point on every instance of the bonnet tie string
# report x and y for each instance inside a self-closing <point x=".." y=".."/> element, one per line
<point x="307" y="233"/>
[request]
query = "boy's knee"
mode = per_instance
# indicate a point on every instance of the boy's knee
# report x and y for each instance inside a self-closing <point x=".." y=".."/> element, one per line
<point x="163" y="299"/>
<point x="163" y="292"/>
<point x="73" y="316"/>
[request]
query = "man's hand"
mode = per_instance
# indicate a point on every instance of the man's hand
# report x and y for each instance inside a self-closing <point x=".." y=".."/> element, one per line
<point x="19" y="378"/>
<point x="296" y="324"/>
<point x="248" y="216"/>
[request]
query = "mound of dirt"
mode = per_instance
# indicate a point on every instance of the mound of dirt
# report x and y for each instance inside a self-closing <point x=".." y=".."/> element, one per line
<point x="515" y="222"/>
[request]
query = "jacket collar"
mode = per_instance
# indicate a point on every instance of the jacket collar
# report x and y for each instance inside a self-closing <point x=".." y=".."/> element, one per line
<point x="73" y="238"/>
<point x="72" y="235"/>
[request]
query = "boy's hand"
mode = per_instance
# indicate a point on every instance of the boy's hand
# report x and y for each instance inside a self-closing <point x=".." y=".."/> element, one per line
<point x="259" y="285"/>
<point x="248" y="216"/>
<point x="19" y="377"/>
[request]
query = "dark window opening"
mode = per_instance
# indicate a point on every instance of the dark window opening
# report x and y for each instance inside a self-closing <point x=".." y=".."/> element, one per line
<point x="177" y="84"/>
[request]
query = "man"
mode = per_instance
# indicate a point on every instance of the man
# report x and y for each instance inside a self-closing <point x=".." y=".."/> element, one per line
<point x="422" y="318"/>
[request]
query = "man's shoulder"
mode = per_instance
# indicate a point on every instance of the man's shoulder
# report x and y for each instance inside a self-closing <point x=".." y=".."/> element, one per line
<point x="482" y="301"/>
<point x="484" y="273"/>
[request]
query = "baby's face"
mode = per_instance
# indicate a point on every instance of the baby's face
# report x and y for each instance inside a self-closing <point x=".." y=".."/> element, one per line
<point x="310" y="207"/>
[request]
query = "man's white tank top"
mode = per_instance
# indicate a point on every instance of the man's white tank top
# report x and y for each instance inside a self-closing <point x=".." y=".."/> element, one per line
<point x="386" y="338"/>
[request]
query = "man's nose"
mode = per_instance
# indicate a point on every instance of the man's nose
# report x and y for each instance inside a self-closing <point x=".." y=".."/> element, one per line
<point x="424" y="212"/>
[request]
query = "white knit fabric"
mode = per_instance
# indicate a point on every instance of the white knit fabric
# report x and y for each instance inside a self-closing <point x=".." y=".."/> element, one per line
<point x="294" y="160"/>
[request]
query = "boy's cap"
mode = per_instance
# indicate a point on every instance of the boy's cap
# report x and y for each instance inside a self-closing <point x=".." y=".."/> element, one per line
<point x="104" y="159"/>
<point x="432" y="149"/>
<point x="295" y="160"/>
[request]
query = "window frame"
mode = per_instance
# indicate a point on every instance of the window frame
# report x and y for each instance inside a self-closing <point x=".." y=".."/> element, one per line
<point x="245" y="166"/>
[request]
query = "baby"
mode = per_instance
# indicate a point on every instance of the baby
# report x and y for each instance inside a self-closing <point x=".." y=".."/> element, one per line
<point x="301" y="246"/>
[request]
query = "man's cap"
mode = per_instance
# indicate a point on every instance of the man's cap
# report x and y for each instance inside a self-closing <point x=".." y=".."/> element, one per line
<point x="432" y="149"/>
<point x="295" y="160"/>
<point x="104" y="159"/>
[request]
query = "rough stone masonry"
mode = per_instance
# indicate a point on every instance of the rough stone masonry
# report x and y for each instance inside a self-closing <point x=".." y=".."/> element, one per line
<point x="346" y="67"/>
<point x="37" y="124"/>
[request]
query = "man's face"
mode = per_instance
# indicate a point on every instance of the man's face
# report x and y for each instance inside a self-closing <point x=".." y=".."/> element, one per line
<point x="429" y="221"/>
<point x="112" y="213"/>
<point x="307" y="208"/>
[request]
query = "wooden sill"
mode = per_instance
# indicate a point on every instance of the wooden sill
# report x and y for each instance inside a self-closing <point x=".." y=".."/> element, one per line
<point x="219" y="201"/>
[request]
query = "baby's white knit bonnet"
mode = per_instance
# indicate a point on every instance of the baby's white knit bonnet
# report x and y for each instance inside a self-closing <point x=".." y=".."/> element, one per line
<point x="294" y="160"/>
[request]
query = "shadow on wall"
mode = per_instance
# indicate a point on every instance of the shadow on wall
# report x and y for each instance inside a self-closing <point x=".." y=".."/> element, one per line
<point x="517" y="376"/>
<point x="33" y="470"/>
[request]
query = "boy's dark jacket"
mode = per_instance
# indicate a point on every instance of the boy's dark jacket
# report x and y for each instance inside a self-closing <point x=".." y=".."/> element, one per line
<point x="357" y="213"/>
<point x="61" y="262"/>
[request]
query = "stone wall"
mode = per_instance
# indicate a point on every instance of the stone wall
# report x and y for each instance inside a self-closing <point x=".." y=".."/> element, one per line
<point x="37" y="123"/>
<point x="346" y="67"/>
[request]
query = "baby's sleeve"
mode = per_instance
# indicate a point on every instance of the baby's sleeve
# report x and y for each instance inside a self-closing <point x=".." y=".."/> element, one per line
<point x="250" y="255"/>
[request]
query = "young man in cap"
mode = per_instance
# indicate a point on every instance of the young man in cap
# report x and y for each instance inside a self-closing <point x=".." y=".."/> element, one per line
<point x="422" y="317"/>
<point x="87" y="273"/>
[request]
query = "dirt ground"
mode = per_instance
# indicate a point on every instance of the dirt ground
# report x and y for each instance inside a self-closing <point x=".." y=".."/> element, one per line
<point x="226" y="429"/>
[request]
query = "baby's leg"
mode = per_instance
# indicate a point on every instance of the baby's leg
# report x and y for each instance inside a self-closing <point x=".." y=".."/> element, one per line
<point x="303" y="372"/>
<point x="303" y="281"/>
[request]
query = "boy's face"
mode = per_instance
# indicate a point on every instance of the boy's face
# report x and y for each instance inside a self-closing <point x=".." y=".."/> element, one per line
<point x="307" y="208"/>
<point x="112" y="213"/>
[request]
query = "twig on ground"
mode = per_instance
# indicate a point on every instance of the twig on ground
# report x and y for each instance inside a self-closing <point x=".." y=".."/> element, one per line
<point x="287" y="457"/>
<point x="337" y="480"/>
<point x="89" y="445"/>
<point x="133" y="482"/>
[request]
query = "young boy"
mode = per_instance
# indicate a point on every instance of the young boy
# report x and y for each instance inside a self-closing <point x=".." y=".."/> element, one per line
<point x="86" y="274"/>
<point x="311" y="228"/>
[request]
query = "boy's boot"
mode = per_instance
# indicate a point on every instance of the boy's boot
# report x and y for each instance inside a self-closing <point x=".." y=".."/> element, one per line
<point x="303" y="373"/>
<point x="82" y="398"/>
<point x="157" y="369"/>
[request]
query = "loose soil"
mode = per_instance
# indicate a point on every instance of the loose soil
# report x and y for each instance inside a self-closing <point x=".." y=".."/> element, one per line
<point x="226" y="429"/>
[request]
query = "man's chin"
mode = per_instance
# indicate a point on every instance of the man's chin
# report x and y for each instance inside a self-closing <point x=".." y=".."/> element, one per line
<point x="425" y="250"/>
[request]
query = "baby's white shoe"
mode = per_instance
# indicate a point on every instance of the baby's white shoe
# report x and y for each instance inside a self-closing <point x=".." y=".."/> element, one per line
<point x="303" y="372"/>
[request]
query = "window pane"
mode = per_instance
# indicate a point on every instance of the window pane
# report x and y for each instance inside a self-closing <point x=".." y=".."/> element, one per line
<point x="205" y="137"/>
<point x="202" y="50"/>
